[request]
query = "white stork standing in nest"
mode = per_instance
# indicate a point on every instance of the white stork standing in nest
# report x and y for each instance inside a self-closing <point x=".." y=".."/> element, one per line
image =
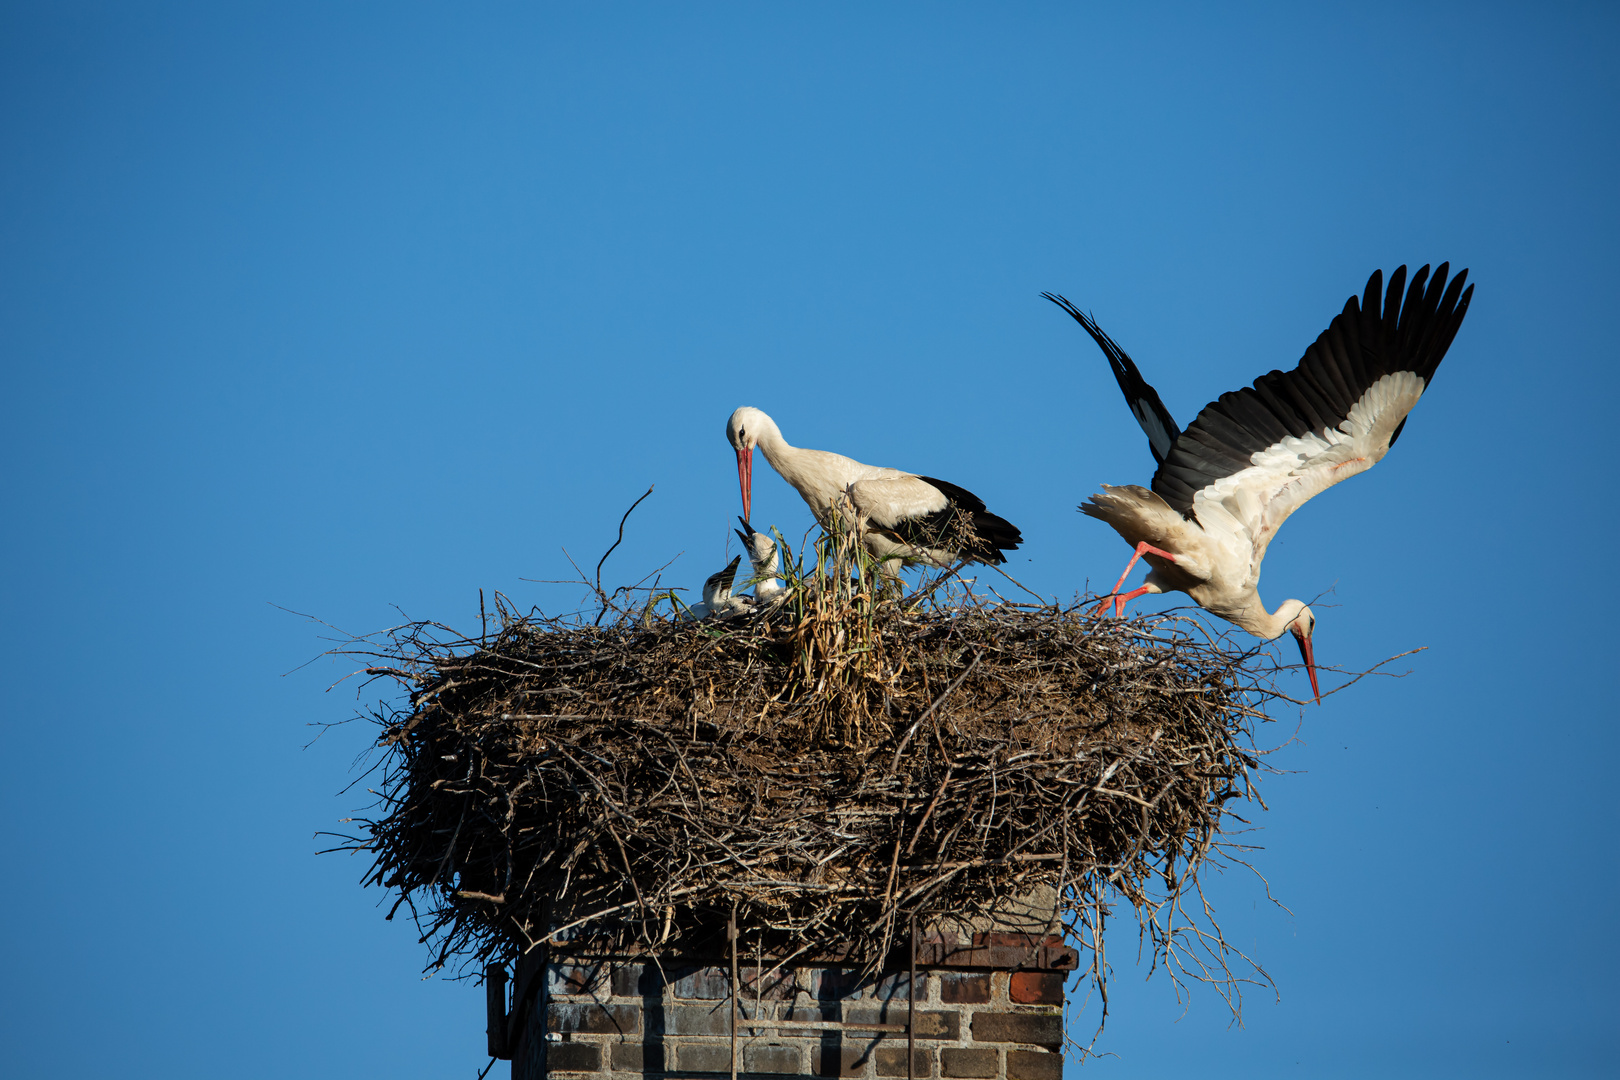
<point x="900" y="515"/>
<point x="1225" y="485"/>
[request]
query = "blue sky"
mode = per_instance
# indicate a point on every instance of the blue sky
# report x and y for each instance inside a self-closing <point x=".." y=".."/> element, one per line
<point x="356" y="309"/>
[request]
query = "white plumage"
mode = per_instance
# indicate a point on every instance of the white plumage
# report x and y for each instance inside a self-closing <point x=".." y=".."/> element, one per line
<point x="900" y="515"/>
<point x="717" y="599"/>
<point x="1226" y="485"/>
<point x="766" y="561"/>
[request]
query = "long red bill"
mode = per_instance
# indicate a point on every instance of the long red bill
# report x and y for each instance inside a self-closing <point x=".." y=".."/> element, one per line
<point x="1306" y="651"/>
<point x="745" y="479"/>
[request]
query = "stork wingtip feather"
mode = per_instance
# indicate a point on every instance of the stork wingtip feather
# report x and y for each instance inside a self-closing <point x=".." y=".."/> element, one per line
<point x="1374" y="293"/>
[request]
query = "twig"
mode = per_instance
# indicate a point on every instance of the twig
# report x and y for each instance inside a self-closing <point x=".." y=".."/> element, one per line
<point x="599" y="593"/>
<point x="930" y="710"/>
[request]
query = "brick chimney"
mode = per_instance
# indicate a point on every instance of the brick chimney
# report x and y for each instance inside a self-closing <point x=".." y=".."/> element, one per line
<point x="988" y="1003"/>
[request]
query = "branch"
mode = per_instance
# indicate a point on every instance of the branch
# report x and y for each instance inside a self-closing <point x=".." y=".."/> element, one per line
<point x="599" y="594"/>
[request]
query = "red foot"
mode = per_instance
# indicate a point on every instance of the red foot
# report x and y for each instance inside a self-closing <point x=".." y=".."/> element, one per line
<point x="1119" y="601"/>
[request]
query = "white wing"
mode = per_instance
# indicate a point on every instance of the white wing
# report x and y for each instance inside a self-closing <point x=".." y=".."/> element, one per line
<point x="1250" y="505"/>
<point x="892" y="501"/>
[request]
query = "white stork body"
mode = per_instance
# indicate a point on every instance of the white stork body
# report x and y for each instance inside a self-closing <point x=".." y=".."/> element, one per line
<point x="1226" y="484"/>
<point x="900" y="514"/>
<point x="717" y="599"/>
<point x="767" y="563"/>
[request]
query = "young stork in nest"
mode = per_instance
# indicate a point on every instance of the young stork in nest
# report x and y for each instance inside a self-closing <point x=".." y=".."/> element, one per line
<point x="1225" y="485"/>
<point x="717" y="599"/>
<point x="767" y="563"/>
<point x="899" y="515"/>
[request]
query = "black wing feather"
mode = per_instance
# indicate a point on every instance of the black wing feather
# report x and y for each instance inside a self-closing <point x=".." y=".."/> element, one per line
<point x="724" y="578"/>
<point x="963" y="525"/>
<point x="1142" y="398"/>
<point x="1404" y="327"/>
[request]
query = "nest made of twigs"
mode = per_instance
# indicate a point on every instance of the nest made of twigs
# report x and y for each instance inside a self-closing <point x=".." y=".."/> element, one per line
<point x="824" y="766"/>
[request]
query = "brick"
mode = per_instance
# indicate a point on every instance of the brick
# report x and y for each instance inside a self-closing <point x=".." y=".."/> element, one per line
<point x="704" y="984"/>
<point x="891" y="1061"/>
<point x="898" y="985"/>
<point x="1012" y="956"/>
<point x="1062" y="957"/>
<point x="930" y="1025"/>
<point x="773" y="1059"/>
<point x="1036" y="988"/>
<point x="1003" y="950"/>
<point x="626" y="981"/>
<point x="939" y="1025"/>
<point x="842" y="1060"/>
<point x="575" y="979"/>
<point x="650" y="981"/>
<point x="830" y="983"/>
<point x="935" y="949"/>
<point x="956" y="1062"/>
<point x="1038" y="1029"/>
<point x="1034" y="1065"/>
<point x="770" y="985"/>
<point x="573" y="1057"/>
<point x="592" y="1019"/>
<point x="638" y="1056"/>
<point x="700" y="1020"/>
<point x="818" y="1013"/>
<point x="704" y="1057"/>
<point x="964" y="989"/>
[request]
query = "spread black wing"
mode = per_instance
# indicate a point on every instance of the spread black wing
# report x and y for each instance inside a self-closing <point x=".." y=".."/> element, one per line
<point x="1377" y="334"/>
<point x="1149" y="411"/>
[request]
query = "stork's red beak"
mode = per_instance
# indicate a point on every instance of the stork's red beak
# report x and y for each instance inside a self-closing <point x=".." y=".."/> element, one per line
<point x="1309" y="654"/>
<point x="745" y="478"/>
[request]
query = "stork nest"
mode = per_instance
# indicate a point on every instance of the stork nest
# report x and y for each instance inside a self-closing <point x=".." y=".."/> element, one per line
<point x="824" y="767"/>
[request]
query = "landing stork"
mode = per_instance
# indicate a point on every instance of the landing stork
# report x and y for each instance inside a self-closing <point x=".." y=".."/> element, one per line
<point x="900" y="515"/>
<point x="1225" y="485"/>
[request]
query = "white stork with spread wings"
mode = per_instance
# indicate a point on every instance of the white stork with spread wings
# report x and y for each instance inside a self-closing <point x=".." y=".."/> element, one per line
<point x="900" y="515"/>
<point x="1225" y="485"/>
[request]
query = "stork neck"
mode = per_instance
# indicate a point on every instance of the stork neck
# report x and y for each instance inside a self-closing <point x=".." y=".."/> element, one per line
<point x="771" y="444"/>
<point x="1264" y="624"/>
<point x="766" y="564"/>
<point x="791" y="463"/>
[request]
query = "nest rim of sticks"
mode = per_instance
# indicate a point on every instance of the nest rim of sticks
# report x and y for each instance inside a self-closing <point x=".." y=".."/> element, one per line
<point x="1020" y="747"/>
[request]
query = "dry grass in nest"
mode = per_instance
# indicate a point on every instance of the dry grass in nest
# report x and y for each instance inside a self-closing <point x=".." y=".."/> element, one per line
<point x="826" y="766"/>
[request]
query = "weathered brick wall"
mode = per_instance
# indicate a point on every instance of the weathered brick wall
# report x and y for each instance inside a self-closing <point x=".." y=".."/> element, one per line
<point x="635" y="1018"/>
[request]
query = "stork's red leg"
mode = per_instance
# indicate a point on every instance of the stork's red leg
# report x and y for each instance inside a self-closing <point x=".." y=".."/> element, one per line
<point x="1120" y="601"/>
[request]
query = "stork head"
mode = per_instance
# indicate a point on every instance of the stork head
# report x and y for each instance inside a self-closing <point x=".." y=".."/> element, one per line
<point x="1302" y="626"/>
<point x="760" y="547"/>
<point x="743" y="430"/>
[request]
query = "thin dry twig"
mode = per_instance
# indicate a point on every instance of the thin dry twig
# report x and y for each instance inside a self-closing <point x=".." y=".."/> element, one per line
<point x="598" y="585"/>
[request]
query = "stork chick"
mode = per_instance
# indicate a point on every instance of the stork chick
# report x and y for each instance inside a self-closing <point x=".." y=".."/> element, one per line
<point x="767" y="563"/>
<point x="717" y="599"/>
